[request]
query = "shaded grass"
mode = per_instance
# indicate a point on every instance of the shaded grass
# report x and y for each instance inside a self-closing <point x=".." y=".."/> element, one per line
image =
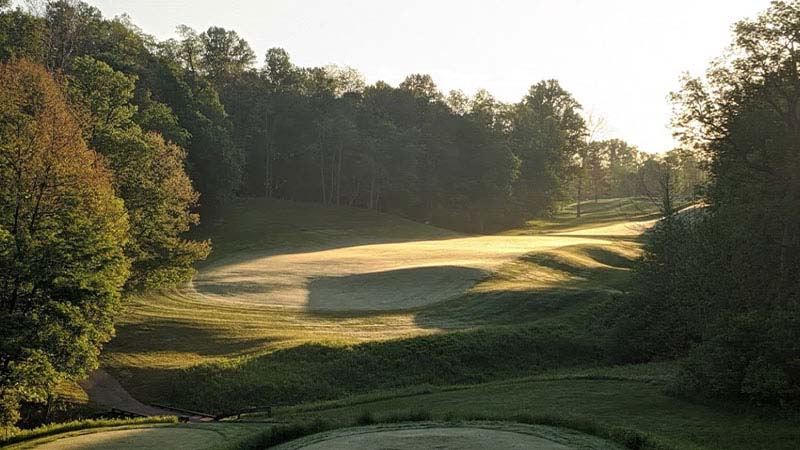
<point x="605" y="211"/>
<point x="316" y="372"/>
<point x="258" y="224"/>
<point x="59" y="428"/>
<point x="599" y="403"/>
<point x="535" y="314"/>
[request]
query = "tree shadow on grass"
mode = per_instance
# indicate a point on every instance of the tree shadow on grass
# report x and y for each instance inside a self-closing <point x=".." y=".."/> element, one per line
<point x="577" y="286"/>
<point x="159" y="335"/>
<point x="391" y="290"/>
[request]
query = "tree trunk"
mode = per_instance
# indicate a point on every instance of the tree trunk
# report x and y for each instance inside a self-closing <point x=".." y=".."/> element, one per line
<point x="324" y="198"/>
<point x="267" y="159"/>
<point x="339" y="176"/>
<point x="372" y="192"/>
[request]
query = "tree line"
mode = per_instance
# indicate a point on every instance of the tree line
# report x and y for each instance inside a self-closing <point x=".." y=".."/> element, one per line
<point x="719" y="287"/>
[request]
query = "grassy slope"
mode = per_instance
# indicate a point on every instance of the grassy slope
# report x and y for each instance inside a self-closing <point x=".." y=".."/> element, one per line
<point x="533" y="316"/>
<point x="205" y="436"/>
<point x="175" y="348"/>
<point x="630" y="397"/>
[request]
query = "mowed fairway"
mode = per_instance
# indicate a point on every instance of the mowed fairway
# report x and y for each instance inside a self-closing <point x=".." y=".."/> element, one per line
<point x="376" y="277"/>
<point x="351" y="328"/>
<point x="284" y="275"/>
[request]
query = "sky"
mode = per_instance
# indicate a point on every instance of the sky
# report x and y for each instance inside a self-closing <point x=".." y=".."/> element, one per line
<point x="619" y="58"/>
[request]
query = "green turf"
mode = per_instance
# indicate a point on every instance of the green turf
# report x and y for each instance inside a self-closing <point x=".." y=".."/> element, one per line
<point x="607" y="399"/>
<point x="604" y="211"/>
<point x="179" y="349"/>
<point x="196" y="436"/>
<point x="533" y="320"/>
<point x="472" y="435"/>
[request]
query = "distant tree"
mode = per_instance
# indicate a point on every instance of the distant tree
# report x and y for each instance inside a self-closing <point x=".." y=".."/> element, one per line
<point x="346" y="80"/>
<point x="421" y="86"/>
<point x="21" y="36"/>
<point x="62" y="233"/>
<point x="624" y="161"/>
<point x="224" y="54"/>
<point x="490" y="112"/>
<point x="214" y="161"/>
<point x="70" y="30"/>
<point x="546" y="133"/>
<point x="279" y="68"/>
<point x="458" y="102"/>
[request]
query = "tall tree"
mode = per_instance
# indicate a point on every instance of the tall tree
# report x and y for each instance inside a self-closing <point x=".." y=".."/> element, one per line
<point x="62" y="232"/>
<point x="148" y="175"/>
<point x="546" y="133"/>
<point x="224" y="54"/>
<point x="756" y="168"/>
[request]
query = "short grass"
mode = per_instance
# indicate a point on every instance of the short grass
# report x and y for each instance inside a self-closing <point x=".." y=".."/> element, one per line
<point x="521" y="341"/>
<point x="193" y="351"/>
<point x="605" y="211"/>
<point x="199" y="436"/>
<point x="627" y="398"/>
<point x="472" y="435"/>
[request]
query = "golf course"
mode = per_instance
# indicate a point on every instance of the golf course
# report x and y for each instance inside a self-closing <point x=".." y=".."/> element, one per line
<point x="543" y="225"/>
<point x="350" y="337"/>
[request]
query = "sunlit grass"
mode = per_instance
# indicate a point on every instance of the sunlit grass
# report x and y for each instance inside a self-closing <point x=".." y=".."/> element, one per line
<point x="178" y="329"/>
<point x="526" y="328"/>
<point x="532" y="280"/>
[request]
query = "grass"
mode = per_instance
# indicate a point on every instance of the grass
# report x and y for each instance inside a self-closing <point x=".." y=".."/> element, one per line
<point x="605" y="211"/>
<point x="189" y="350"/>
<point x="142" y="436"/>
<point x="79" y="425"/>
<point x="468" y="435"/>
<point x="597" y="405"/>
<point x="519" y="343"/>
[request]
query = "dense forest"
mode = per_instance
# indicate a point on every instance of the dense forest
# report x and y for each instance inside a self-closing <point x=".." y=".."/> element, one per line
<point x="114" y="144"/>
<point x="719" y="287"/>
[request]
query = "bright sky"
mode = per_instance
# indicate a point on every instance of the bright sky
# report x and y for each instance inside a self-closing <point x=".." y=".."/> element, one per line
<point x="620" y="58"/>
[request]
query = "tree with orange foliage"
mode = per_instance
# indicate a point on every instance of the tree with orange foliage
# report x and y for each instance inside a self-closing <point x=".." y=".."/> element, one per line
<point x="62" y="237"/>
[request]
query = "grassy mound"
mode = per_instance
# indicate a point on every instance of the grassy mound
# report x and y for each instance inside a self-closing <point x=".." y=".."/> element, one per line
<point x="443" y="435"/>
<point x="527" y="313"/>
<point x="625" y="404"/>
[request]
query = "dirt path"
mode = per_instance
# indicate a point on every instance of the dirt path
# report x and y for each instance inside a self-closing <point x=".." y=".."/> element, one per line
<point x="106" y="391"/>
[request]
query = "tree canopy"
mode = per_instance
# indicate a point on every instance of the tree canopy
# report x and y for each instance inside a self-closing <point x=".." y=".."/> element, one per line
<point x="62" y="238"/>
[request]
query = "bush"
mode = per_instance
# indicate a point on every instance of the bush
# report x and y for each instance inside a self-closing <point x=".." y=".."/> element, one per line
<point x="666" y="312"/>
<point x="705" y="290"/>
<point x="748" y="357"/>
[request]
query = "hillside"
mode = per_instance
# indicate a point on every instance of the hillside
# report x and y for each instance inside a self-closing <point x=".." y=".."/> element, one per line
<point x="337" y="314"/>
<point x="292" y="287"/>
